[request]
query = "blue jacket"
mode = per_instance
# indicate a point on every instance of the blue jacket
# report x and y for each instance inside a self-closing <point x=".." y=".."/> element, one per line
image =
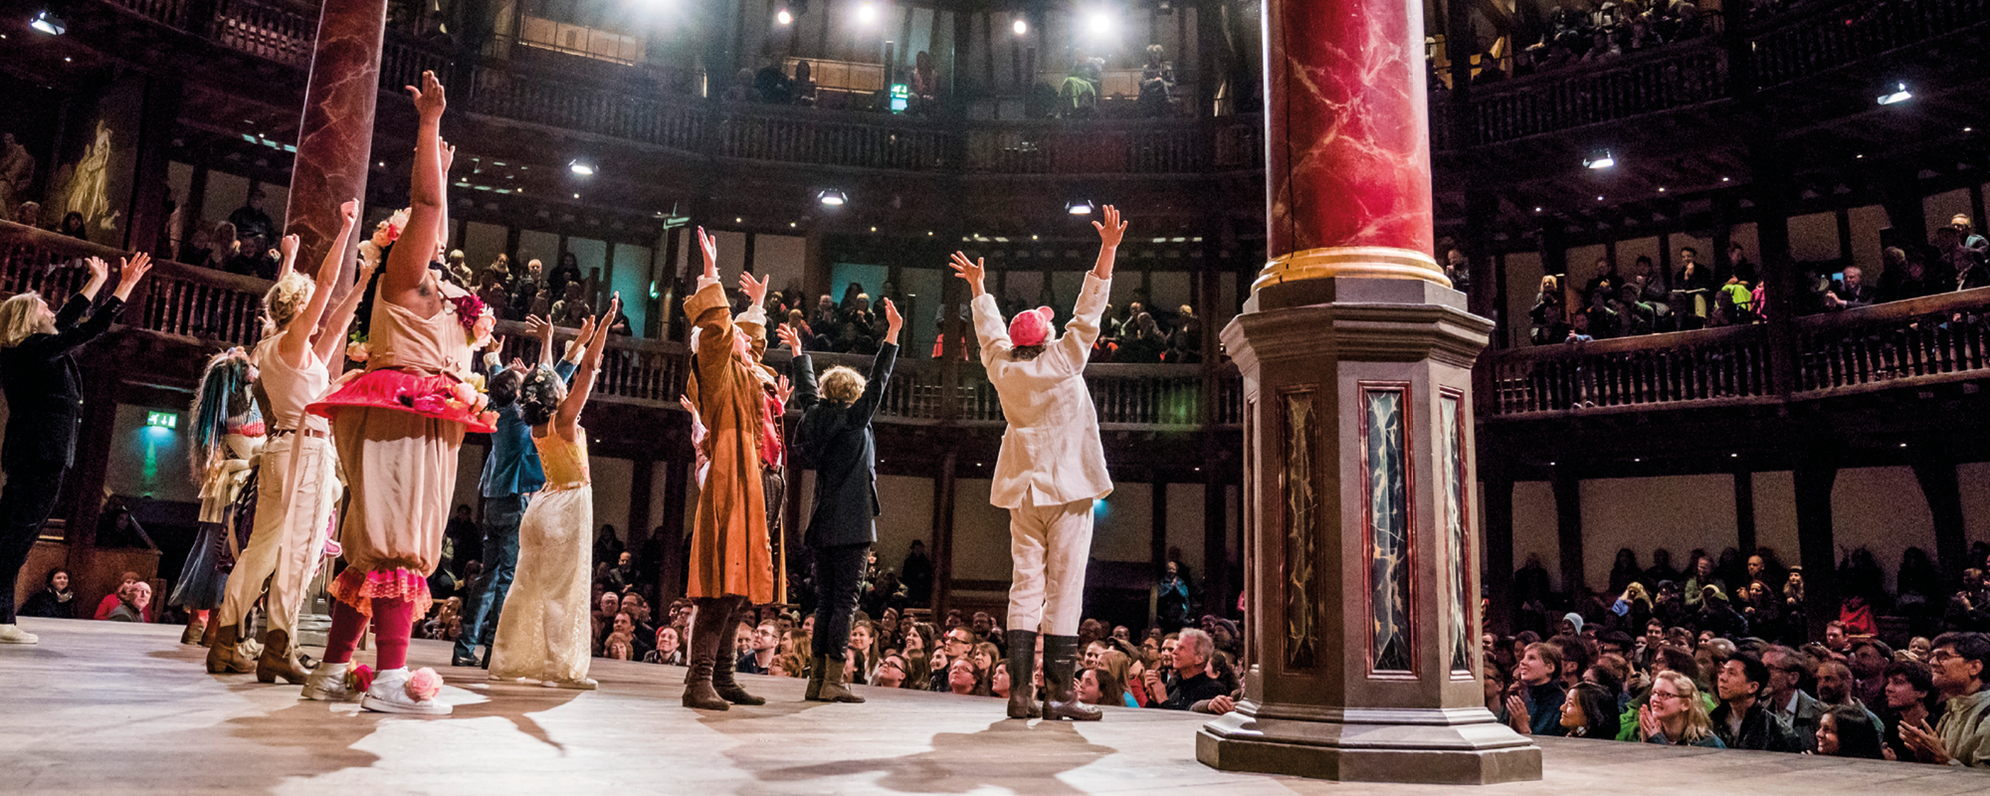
<point x="512" y="468"/>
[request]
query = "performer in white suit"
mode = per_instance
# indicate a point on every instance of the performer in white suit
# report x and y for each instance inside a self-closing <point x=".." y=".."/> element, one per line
<point x="1052" y="467"/>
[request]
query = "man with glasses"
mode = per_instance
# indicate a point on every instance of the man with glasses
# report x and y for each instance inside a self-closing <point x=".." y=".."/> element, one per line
<point x="1962" y="738"/>
<point x="1786" y="697"/>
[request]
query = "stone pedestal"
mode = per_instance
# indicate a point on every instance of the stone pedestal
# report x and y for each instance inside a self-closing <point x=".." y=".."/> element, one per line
<point x="1363" y="599"/>
<point x="335" y="139"/>
<point x="1359" y="477"/>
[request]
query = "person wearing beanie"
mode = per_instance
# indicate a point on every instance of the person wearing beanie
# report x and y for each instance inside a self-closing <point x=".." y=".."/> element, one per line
<point x="1050" y="470"/>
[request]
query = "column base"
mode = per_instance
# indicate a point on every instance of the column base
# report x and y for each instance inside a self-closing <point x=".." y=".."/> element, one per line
<point x="1426" y="747"/>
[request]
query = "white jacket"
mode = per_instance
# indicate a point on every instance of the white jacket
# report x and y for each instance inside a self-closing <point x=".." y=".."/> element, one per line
<point x="1051" y="453"/>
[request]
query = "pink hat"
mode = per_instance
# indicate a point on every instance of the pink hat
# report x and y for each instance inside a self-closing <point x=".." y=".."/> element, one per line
<point x="1031" y="327"/>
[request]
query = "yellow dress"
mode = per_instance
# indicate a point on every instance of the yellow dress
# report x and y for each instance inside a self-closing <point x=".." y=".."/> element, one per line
<point x="543" y="633"/>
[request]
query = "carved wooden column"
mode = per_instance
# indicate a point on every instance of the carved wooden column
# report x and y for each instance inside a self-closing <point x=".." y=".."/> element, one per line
<point x="1359" y="472"/>
<point x="335" y="139"/>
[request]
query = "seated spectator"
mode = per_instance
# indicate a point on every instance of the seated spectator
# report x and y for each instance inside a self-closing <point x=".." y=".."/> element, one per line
<point x="1850" y="291"/>
<point x="134" y="603"/>
<point x="1849" y="732"/>
<point x="112" y="600"/>
<point x="1969" y="608"/>
<point x="1786" y="697"/>
<point x="1191" y="682"/>
<point x="55" y="600"/>
<point x="619" y="646"/>
<point x="1868" y="662"/>
<point x="1962" y="736"/>
<point x="1589" y="711"/>
<point x="1834" y="686"/>
<point x="1675" y="716"/>
<point x="1550" y="318"/>
<point x="892" y="674"/>
<point x="961" y="679"/>
<point x="668" y="648"/>
<point x="1718" y="616"/>
<point x="1911" y="700"/>
<point x="1743" y="721"/>
<point x="1533" y="703"/>
<point x="1905" y="277"/>
<point x="1097" y="686"/>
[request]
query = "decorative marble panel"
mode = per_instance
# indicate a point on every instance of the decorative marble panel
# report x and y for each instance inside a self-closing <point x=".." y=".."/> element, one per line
<point x="1302" y="619"/>
<point x="1385" y="466"/>
<point x="1457" y="521"/>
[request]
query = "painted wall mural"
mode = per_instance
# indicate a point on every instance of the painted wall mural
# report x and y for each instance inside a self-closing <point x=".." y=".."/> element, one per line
<point x="1457" y="520"/>
<point x="1302" y="625"/>
<point x="1385" y="438"/>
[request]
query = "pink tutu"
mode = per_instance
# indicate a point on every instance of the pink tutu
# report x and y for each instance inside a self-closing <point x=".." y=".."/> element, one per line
<point x="359" y="589"/>
<point x="439" y="397"/>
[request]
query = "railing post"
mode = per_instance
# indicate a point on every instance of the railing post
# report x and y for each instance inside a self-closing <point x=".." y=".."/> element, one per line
<point x="1784" y="283"/>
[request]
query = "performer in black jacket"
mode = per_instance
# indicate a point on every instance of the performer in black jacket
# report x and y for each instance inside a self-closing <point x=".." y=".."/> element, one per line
<point x="44" y="405"/>
<point x="834" y="437"/>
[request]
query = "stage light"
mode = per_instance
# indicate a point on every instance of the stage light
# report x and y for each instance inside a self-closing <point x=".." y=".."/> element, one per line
<point x="1897" y="95"/>
<point x="1098" y="23"/>
<point x="832" y="198"/>
<point x="581" y="167"/>
<point x="1078" y="207"/>
<point x="47" y="22"/>
<point x="1602" y="160"/>
<point x="1021" y="26"/>
<point x="784" y="17"/>
<point x="867" y="13"/>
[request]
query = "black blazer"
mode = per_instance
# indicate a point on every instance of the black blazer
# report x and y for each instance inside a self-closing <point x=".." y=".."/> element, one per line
<point x="845" y="454"/>
<point x="45" y="390"/>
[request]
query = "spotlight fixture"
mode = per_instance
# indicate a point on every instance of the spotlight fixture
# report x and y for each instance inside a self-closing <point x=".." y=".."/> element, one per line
<point x="581" y="167"/>
<point x="867" y="13"/>
<point x="784" y="17"/>
<point x="1899" y="94"/>
<point x="1098" y="23"/>
<point x="832" y="198"/>
<point x="1599" y="161"/>
<point x="1021" y="26"/>
<point x="47" y="22"/>
<point x="1078" y="207"/>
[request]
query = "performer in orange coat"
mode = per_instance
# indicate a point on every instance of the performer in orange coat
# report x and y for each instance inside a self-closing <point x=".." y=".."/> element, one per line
<point x="731" y="558"/>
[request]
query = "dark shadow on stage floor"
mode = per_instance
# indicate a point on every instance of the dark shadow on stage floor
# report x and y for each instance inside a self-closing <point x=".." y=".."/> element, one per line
<point x="513" y="702"/>
<point x="1020" y="756"/>
<point x="316" y="740"/>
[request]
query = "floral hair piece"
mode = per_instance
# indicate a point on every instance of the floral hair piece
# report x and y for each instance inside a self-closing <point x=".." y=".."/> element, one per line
<point x="395" y="223"/>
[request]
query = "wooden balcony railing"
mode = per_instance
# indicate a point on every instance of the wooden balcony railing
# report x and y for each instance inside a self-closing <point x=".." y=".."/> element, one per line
<point x="1941" y="338"/>
<point x="1827" y="36"/>
<point x="1663" y="78"/>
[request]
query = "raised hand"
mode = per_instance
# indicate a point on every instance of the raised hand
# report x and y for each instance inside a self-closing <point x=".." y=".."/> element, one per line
<point x="429" y="99"/>
<point x="893" y="322"/>
<point x="349" y="212"/>
<point x="755" y="289"/>
<point x="791" y="338"/>
<point x="287" y="250"/>
<point x="448" y="155"/>
<point x="130" y="271"/>
<point x="99" y="270"/>
<point x="538" y="327"/>
<point x="974" y="271"/>
<point x="1648" y="723"/>
<point x="710" y="247"/>
<point x="783" y="389"/>
<point x="1112" y="230"/>
<point x="685" y="401"/>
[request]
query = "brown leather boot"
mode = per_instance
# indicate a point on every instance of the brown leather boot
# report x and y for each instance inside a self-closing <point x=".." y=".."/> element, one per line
<point x="276" y="661"/>
<point x="713" y="614"/>
<point x="722" y="664"/>
<point x="834" y="689"/>
<point x="223" y="657"/>
<point x="814" y="692"/>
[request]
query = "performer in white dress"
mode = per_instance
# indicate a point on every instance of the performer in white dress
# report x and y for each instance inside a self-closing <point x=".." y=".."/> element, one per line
<point x="544" y="632"/>
<point x="1051" y="468"/>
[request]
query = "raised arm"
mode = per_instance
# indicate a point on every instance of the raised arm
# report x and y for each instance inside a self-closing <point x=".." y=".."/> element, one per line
<point x="408" y="262"/>
<point x="590" y="364"/>
<point x="802" y="369"/>
<point x="542" y="329"/>
<point x="867" y="404"/>
<point x="331" y="337"/>
<point x="1110" y="234"/>
<point x="99" y="273"/>
<point x="72" y="334"/>
<point x="297" y="337"/>
<point x="287" y="253"/>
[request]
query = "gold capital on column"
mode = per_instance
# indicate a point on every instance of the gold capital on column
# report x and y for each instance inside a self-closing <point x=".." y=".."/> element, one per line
<point x="1357" y="262"/>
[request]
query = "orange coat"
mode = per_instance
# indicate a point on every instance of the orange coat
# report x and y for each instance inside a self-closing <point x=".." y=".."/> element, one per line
<point x="730" y="552"/>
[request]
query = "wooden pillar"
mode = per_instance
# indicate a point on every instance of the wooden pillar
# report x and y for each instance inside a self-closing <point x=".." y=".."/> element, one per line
<point x="943" y="532"/>
<point x="1772" y="207"/>
<point x="335" y="137"/>
<point x="1943" y="491"/>
<point x="1157" y="546"/>
<point x="1744" y="512"/>
<point x="1497" y="565"/>
<point x="643" y="475"/>
<point x="1816" y="544"/>
<point x="673" y="577"/>
<point x="1216" y="596"/>
<point x="82" y="499"/>
<point x="1568" y="528"/>
<point x="147" y="231"/>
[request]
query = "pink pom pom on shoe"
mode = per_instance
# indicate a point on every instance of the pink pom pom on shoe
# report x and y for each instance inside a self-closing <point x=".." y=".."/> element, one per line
<point x="424" y="684"/>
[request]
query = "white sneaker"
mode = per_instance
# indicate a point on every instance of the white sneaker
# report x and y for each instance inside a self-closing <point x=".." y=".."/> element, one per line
<point x="389" y="694"/>
<point x="11" y="634"/>
<point x="583" y="684"/>
<point x="327" y="684"/>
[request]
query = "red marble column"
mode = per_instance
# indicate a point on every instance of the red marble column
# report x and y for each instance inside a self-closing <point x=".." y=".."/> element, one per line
<point x="335" y="144"/>
<point x="1348" y="136"/>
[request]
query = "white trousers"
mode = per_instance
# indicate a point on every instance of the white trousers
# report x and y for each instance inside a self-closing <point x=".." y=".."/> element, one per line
<point x="1049" y="546"/>
<point x="285" y="556"/>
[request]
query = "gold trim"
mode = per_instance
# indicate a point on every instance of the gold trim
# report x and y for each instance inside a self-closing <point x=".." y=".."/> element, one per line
<point x="1361" y="262"/>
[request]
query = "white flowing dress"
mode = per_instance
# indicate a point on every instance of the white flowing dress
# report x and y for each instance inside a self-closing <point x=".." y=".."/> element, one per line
<point x="544" y="631"/>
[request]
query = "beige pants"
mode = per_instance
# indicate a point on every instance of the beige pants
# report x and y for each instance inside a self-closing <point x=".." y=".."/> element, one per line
<point x="1049" y="546"/>
<point x="285" y="556"/>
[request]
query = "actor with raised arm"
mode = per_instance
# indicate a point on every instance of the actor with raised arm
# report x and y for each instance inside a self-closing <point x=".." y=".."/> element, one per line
<point x="547" y="634"/>
<point x="834" y="437"/>
<point x="732" y="565"/>
<point x="44" y="405"/>
<point x="1051" y="468"/>
<point x="397" y="428"/>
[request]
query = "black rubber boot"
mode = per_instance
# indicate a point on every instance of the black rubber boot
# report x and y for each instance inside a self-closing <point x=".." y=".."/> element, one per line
<point x="1022" y="675"/>
<point x="1060" y="667"/>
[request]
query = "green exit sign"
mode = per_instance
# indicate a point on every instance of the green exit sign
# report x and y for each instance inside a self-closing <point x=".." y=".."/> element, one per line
<point x="160" y="419"/>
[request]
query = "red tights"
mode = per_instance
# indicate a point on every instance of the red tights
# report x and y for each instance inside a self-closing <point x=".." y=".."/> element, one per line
<point x="393" y="623"/>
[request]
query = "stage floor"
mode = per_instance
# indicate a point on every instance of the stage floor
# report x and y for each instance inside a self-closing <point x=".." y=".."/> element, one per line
<point x="111" y="708"/>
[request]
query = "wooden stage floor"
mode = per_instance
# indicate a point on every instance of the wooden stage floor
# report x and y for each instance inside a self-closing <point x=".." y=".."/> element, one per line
<point x="110" y="708"/>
